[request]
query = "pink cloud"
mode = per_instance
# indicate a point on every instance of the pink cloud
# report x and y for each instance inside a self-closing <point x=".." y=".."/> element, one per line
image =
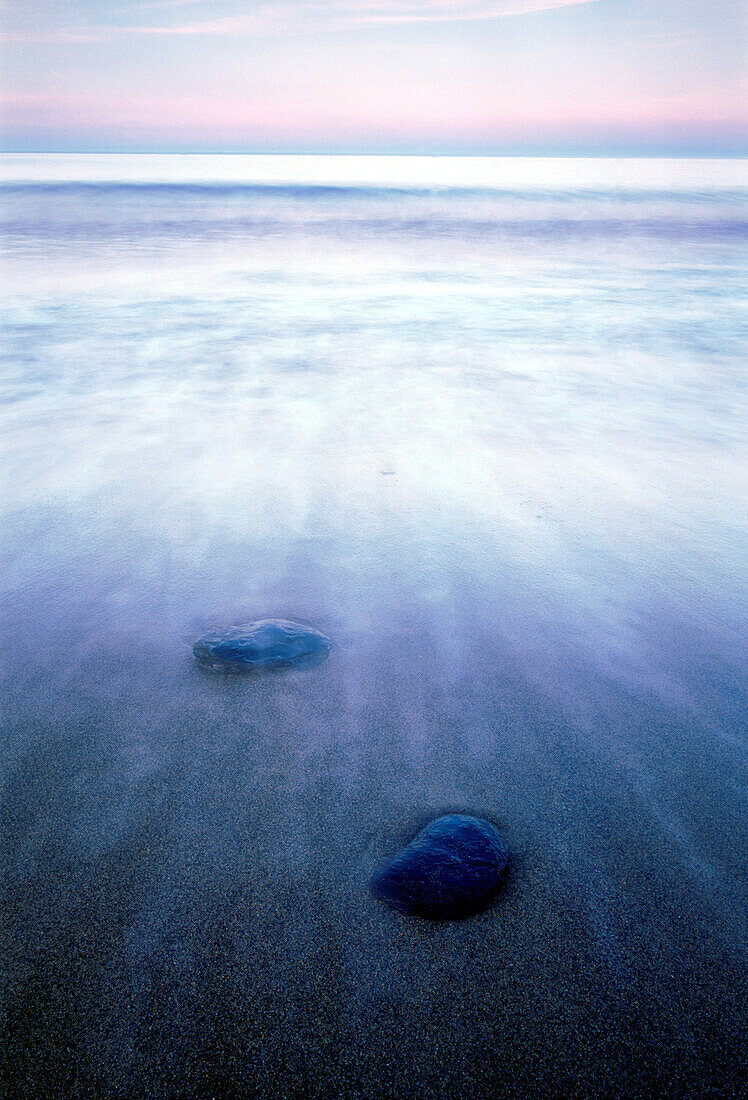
<point x="235" y="120"/>
<point x="457" y="11"/>
<point x="282" y="16"/>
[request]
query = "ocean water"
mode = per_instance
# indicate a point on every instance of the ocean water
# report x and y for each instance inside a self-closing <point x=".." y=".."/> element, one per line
<point x="482" y="422"/>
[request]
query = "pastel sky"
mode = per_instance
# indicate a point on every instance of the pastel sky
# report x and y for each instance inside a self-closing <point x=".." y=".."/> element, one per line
<point x="463" y="76"/>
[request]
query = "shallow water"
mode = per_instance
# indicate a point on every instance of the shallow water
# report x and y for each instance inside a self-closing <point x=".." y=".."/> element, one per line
<point x="488" y="439"/>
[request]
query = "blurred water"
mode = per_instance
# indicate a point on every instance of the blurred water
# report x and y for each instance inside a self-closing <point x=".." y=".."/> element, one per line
<point x="481" y="423"/>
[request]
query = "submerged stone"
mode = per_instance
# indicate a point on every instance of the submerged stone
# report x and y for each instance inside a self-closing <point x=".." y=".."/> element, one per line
<point x="265" y="644"/>
<point x="451" y="869"/>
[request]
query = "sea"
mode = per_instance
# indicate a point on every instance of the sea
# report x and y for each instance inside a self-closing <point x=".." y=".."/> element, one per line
<point x="480" y="420"/>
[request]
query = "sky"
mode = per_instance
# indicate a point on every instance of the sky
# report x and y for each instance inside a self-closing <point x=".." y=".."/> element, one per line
<point x="610" y="77"/>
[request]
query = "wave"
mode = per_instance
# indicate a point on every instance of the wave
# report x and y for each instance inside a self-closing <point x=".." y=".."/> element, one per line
<point x="324" y="191"/>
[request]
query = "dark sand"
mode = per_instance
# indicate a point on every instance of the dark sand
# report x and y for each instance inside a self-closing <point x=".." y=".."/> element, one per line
<point x="186" y="894"/>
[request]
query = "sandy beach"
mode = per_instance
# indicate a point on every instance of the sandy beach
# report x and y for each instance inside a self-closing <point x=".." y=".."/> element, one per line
<point x="195" y="852"/>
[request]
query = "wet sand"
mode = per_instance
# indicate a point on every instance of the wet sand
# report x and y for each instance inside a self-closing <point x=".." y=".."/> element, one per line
<point x="187" y="898"/>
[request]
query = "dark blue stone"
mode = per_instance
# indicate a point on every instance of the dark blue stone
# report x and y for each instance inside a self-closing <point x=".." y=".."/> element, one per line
<point x="265" y="644"/>
<point x="451" y="869"/>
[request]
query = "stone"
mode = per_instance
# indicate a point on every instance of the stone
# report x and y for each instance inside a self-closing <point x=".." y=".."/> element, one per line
<point x="451" y="869"/>
<point x="265" y="644"/>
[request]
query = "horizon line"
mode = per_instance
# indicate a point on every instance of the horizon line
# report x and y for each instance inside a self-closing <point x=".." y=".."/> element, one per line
<point x="649" y="154"/>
